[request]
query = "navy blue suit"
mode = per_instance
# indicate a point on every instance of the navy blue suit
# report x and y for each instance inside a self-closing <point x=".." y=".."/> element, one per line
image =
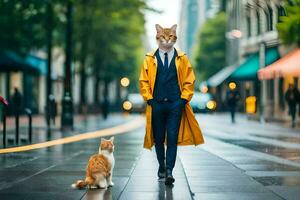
<point x="167" y="109"/>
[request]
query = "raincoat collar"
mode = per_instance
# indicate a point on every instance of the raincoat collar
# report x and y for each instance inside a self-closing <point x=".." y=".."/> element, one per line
<point x="179" y="53"/>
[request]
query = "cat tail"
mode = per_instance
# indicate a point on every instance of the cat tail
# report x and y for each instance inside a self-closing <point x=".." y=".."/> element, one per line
<point x="80" y="184"/>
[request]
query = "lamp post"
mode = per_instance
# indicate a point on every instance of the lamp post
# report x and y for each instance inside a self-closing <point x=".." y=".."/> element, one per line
<point x="49" y="59"/>
<point x="67" y="102"/>
<point x="263" y="84"/>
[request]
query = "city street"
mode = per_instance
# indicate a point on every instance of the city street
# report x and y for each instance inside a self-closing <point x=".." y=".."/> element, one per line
<point x="221" y="73"/>
<point x="246" y="160"/>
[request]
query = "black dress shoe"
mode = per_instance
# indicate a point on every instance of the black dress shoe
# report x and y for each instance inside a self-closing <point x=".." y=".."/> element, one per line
<point x="161" y="173"/>
<point x="169" y="178"/>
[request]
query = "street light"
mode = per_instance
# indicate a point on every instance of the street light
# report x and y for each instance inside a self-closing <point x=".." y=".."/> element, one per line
<point x="232" y="85"/>
<point x="204" y="89"/>
<point x="127" y="105"/>
<point x="125" y="82"/>
<point x="234" y="34"/>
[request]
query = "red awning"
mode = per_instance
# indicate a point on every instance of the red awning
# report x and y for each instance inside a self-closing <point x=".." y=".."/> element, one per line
<point x="289" y="65"/>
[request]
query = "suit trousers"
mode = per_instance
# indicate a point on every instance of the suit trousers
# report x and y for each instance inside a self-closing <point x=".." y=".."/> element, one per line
<point x="166" y="117"/>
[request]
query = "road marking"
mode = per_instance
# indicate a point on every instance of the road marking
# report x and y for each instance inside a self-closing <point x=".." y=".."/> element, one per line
<point x="132" y="125"/>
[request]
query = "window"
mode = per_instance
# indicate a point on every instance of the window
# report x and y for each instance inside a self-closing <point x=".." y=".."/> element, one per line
<point x="248" y="26"/>
<point x="258" y="23"/>
<point x="270" y="19"/>
<point x="281" y="12"/>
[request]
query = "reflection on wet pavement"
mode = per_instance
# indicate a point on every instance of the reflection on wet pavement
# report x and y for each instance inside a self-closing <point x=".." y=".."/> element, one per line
<point x="288" y="181"/>
<point x="48" y="173"/>
<point x="229" y="166"/>
<point x="290" y="154"/>
<point x="269" y="154"/>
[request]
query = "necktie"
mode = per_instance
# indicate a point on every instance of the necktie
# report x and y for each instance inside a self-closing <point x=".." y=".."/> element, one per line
<point x="166" y="63"/>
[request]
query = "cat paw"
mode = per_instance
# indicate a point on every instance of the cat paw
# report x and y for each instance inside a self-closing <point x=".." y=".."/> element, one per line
<point x="111" y="184"/>
<point x="101" y="187"/>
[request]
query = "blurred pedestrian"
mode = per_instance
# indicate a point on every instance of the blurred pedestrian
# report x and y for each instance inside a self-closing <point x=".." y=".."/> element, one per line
<point x="292" y="97"/>
<point x="105" y="108"/>
<point x="17" y="101"/>
<point x="52" y="108"/>
<point x="232" y="97"/>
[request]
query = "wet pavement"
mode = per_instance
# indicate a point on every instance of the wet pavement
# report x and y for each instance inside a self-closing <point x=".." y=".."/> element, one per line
<point x="48" y="173"/>
<point x="268" y="153"/>
<point x="246" y="160"/>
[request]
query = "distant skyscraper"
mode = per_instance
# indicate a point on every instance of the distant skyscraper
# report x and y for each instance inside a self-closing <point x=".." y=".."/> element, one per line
<point x="193" y="14"/>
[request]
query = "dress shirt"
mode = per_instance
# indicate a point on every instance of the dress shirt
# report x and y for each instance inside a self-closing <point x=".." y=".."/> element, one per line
<point x="170" y="55"/>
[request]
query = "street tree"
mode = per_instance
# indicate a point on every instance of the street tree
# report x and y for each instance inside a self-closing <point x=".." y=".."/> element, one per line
<point x="22" y="24"/>
<point x="289" y="25"/>
<point x="210" y="49"/>
<point x="109" y="32"/>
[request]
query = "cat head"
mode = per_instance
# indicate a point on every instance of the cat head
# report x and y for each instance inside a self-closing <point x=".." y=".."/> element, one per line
<point x="107" y="145"/>
<point x="166" y="37"/>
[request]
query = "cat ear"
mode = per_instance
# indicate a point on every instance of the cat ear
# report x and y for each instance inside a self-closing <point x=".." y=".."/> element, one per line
<point x="173" y="28"/>
<point x="158" y="27"/>
<point x="112" y="138"/>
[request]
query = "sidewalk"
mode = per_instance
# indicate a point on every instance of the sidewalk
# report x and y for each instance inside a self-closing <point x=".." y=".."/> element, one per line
<point x="213" y="178"/>
<point x="199" y="175"/>
<point x="199" y="172"/>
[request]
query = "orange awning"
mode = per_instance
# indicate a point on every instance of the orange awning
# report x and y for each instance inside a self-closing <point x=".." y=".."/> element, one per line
<point x="289" y="65"/>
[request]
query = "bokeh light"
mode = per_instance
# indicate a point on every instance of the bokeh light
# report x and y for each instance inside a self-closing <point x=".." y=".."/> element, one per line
<point x="125" y="82"/>
<point x="232" y="85"/>
<point x="127" y="105"/>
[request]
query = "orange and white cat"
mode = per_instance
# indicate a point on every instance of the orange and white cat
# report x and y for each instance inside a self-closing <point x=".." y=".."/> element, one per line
<point x="100" y="167"/>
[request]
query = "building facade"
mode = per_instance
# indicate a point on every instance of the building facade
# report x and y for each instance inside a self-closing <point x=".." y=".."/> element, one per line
<point x="256" y="20"/>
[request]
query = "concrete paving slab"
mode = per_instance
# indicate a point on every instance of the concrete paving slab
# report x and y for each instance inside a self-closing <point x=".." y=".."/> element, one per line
<point x="286" y="192"/>
<point x="279" y="181"/>
<point x="235" y="196"/>
<point x="273" y="173"/>
<point x="217" y="184"/>
<point x="144" y="183"/>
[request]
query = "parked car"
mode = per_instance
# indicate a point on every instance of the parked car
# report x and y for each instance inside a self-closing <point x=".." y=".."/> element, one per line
<point x="134" y="103"/>
<point x="203" y="102"/>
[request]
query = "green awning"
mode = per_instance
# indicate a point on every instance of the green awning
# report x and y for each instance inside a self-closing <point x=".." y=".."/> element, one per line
<point x="221" y="76"/>
<point x="37" y="63"/>
<point x="11" y="61"/>
<point x="248" y="69"/>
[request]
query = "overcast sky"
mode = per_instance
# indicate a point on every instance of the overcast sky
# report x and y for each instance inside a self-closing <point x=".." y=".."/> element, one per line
<point x="169" y="16"/>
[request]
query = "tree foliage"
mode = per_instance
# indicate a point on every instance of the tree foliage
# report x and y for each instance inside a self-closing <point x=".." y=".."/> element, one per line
<point x="107" y="33"/>
<point x="23" y="23"/>
<point x="110" y="32"/>
<point x="289" y="25"/>
<point x="210" y="54"/>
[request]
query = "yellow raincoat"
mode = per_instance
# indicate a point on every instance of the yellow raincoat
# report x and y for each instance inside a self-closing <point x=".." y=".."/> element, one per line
<point x="189" y="131"/>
